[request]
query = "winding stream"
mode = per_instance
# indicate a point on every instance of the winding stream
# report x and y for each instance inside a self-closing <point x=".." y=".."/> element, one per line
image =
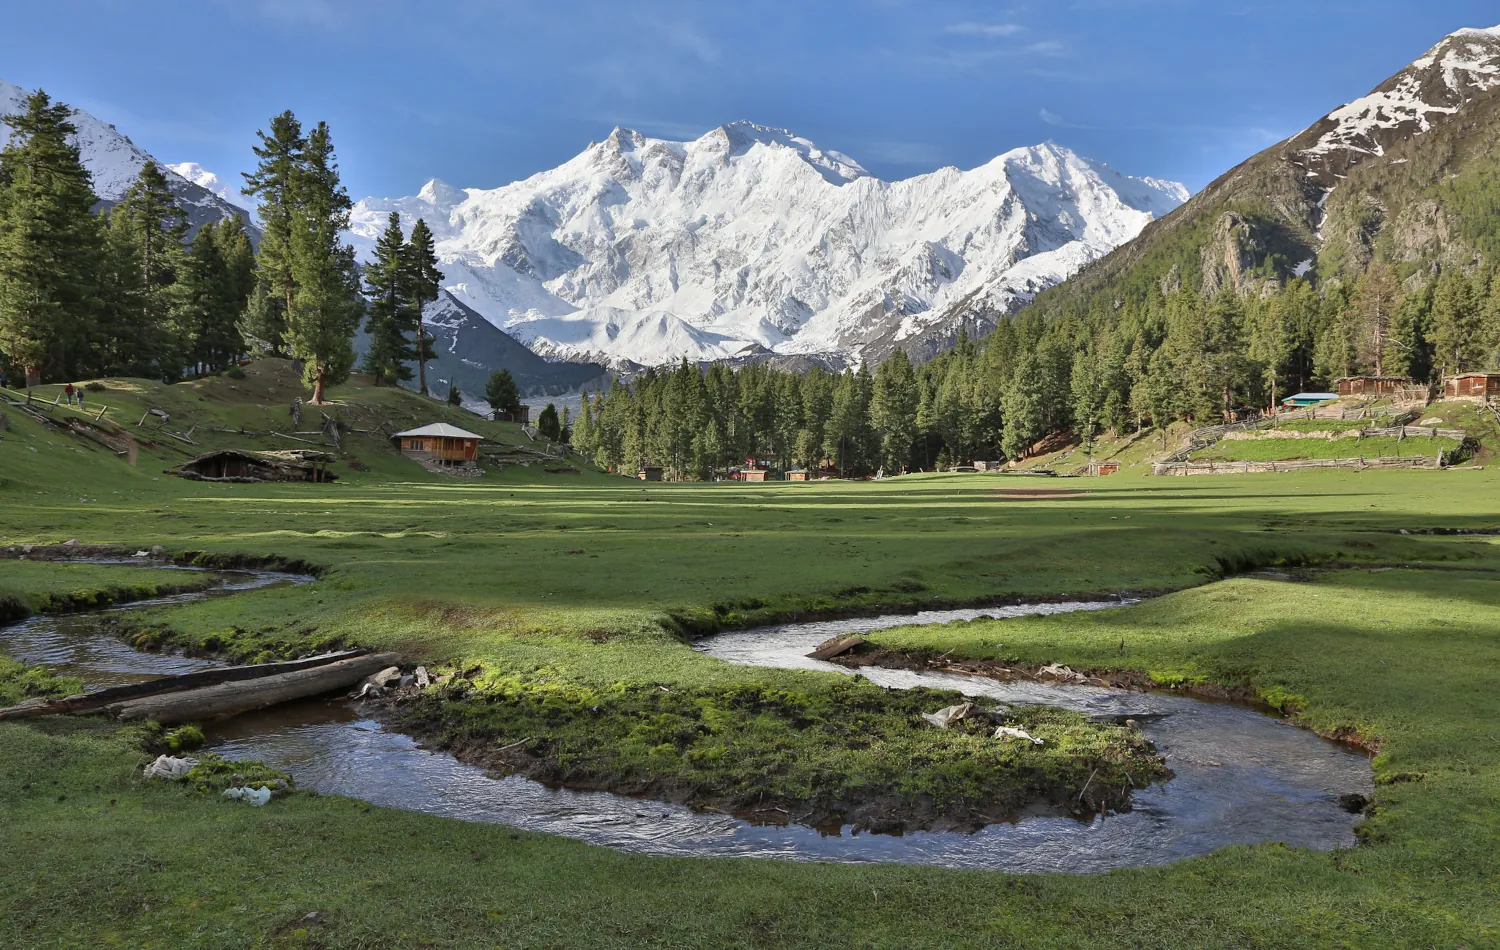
<point x="1241" y="777"/>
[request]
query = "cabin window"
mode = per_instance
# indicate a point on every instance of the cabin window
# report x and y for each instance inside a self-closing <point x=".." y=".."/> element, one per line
<point x="415" y="444"/>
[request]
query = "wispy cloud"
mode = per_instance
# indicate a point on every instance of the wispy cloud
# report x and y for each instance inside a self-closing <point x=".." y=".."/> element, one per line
<point x="992" y="30"/>
<point x="895" y="152"/>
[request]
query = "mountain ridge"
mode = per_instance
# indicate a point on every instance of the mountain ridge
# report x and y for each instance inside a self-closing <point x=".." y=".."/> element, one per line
<point x="643" y="250"/>
<point x="115" y="162"/>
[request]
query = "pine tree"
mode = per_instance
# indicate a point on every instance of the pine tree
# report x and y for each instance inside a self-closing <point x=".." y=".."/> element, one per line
<point x="51" y="244"/>
<point x="1457" y="323"/>
<point x="893" y="411"/>
<point x="147" y="229"/>
<point x="425" y="281"/>
<point x="501" y="392"/>
<point x="390" y="311"/>
<point x="455" y="398"/>
<point x="326" y="305"/>
<point x="548" y="424"/>
<point x="1376" y="303"/>
<point x="273" y="183"/>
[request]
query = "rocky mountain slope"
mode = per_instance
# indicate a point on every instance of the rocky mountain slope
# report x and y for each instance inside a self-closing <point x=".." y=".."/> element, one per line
<point x="468" y="348"/>
<point x="115" y="162"/>
<point x="1404" y="174"/>
<point x="753" y="241"/>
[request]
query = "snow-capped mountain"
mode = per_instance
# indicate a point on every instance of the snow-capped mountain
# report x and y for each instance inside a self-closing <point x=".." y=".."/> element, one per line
<point x="211" y="182"/>
<point x="115" y="162"/>
<point x="1461" y="68"/>
<point x="751" y="239"/>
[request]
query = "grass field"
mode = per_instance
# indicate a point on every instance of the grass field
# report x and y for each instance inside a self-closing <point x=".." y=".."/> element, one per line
<point x="1275" y="450"/>
<point x="588" y="583"/>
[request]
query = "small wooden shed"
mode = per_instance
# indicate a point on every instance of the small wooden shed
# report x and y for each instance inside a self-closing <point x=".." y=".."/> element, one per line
<point x="440" y="443"/>
<point x="521" y="415"/>
<point x="235" y="465"/>
<point x="754" y="474"/>
<point x="650" y="473"/>
<point x="1371" y="385"/>
<point x="1472" y="386"/>
<point x="1099" y="468"/>
<point x="797" y="475"/>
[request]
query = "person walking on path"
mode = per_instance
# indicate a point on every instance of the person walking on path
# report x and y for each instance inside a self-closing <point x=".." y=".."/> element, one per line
<point x="79" y="393"/>
<point x="68" y="393"/>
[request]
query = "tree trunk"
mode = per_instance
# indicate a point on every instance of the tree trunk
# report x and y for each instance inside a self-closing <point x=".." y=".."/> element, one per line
<point x="421" y="352"/>
<point x="320" y="383"/>
<point x="228" y="699"/>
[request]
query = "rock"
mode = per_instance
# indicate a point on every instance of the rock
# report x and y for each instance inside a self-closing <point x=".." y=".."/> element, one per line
<point x="253" y="796"/>
<point x="142" y="553"/>
<point x="72" y="541"/>
<point x="424" y="680"/>
<point x="1353" y="802"/>
<point x="1063" y="673"/>
<point x="385" y="677"/>
<point x="1404" y="531"/>
<point x="158" y="551"/>
<point x="406" y="681"/>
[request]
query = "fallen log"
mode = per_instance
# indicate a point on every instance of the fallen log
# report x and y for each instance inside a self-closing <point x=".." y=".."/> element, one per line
<point x="230" y="699"/>
<point x="89" y="702"/>
<point x="836" y="647"/>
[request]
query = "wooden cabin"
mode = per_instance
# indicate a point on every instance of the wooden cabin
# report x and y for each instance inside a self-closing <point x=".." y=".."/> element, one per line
<point x="521" y="415"/>
<point x="1371" y="385"/>
<point x="754" y="474"/>
<point x="797" y="475"/>
<point x="234" y="465"/>
<point x="650" y="473"/>
<point x="440" y="443"/>
<point x="1099" y="468"/>
<point x="1472" y="386"/>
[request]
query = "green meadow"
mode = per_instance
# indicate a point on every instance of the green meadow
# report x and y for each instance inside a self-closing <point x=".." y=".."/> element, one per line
<point x="581" y="586"/>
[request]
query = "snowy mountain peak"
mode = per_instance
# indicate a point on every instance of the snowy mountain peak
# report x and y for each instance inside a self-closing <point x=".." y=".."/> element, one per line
<point x="441" y="195"/>
<point x="1462" y="67"/>
<point x="752" y="238"/>
<point x="115" y="162"/>
<point x="206" y="179"/>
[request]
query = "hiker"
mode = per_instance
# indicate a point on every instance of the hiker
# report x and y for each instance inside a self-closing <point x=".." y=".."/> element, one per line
<point x="79" y="392"/>
<point x="68" y="393"/>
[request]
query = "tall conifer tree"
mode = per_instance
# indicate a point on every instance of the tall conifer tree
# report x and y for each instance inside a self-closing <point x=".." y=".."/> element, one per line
<point x="51" y="244"/>
<point x="391" y="313"/>
<point x="425" y="280"/>
<point x="273" y="184"/>
<point x="325" y="306"/>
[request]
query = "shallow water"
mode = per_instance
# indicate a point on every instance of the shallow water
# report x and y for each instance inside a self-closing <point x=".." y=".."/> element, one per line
<point x="1241" y="777"/>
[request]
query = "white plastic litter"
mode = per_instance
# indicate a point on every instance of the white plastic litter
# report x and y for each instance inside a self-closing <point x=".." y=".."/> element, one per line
<point x="170" y="768"/>
<point x="948" y="715"/>
<point x="1010" y="732"/>
<point x="255" y="796"/>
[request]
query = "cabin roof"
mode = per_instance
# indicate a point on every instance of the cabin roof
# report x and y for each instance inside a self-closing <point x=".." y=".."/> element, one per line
<point x="1313" y="396"/>
<point x="439" y="430"/>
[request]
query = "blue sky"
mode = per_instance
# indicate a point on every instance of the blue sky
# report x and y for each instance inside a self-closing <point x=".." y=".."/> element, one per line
<point x="482" y="93"/>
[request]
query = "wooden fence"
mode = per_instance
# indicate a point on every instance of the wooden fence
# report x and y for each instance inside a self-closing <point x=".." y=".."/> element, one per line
<point x="1250" y="468"/>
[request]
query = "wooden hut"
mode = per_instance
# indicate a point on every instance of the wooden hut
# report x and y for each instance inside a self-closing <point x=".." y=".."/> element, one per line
<point x="797" y="475"/>
<point x="521" y="415"/>
<point x="1479" y="386"/>
<point x="1099" y="468"/>
<point x="1371" y="385"/>
<point x="650" y="473"/>
<point x="439" y="443"/>
<point x="234" y="465"/>
<point x="754" y="474"/>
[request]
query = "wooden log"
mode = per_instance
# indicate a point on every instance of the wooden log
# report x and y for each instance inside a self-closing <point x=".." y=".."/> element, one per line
<point x="230" y="699"/>
<point x="836" y="647"/>
<point x="88" y="702"/>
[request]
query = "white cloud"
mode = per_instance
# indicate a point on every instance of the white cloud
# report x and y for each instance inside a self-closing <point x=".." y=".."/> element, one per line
<point x="991" y="30"/>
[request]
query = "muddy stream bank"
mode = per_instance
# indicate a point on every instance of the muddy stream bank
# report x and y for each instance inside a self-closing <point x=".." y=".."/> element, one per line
<point x="1240" y="777"/>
